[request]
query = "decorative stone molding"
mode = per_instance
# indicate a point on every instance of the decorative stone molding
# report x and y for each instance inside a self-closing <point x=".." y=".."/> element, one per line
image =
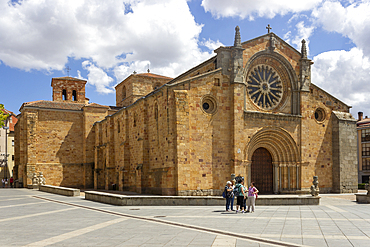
<point x="284" y="69"/>
<point x="271" y="116"/>
<point x="277" y="141"/>
<point x="237" y="59"/>
<point x="305" y="69"/>
<point x="264" y="86"/>
<point x="272" y="42"/>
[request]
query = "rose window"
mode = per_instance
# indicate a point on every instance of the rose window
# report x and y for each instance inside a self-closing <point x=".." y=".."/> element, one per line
<point x="265" y="88"/>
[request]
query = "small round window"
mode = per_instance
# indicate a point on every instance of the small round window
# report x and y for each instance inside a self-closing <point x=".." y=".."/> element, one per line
<point x="209" y="105"/>
<point x="320" y="114"/>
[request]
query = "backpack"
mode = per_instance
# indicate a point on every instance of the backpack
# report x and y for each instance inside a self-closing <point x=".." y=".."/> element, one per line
<point x="236" y="190"/>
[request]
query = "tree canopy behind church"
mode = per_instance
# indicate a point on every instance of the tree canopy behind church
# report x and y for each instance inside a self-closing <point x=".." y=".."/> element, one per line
<point x="3" y="116"/>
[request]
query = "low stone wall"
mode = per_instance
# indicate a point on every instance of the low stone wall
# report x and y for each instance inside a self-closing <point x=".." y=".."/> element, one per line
<point x="60" y="190"/>
<point x="287" y="200"/>
<point x="363" y="198"/>
<point x="124" y="200"/>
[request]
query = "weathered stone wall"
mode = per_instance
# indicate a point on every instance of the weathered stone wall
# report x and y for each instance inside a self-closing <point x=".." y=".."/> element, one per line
<point x="137" y="86"/>
<point x="344" y="153"/>
<point x="140" y="156"/>
<point x="59" y="143"/>
<point x="262" y="43"/>
<point x="69" y="84"/>
<point x="90" y="116"/>
<point x="316" y="140"/>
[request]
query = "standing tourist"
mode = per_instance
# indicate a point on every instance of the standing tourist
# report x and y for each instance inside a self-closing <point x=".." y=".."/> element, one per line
<point x="11" y="182"/>
<point x="232" y="199"/>
<point x="252" y="194"/>
<point x="241" y="195"/>
<point x="229" y="195"/>
<point x="3" y="181"/>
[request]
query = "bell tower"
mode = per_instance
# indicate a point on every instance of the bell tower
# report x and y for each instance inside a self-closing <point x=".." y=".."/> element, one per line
<point x="69" y="89"/>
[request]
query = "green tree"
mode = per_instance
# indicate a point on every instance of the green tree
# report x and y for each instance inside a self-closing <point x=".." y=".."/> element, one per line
<point x="3" y="116"/>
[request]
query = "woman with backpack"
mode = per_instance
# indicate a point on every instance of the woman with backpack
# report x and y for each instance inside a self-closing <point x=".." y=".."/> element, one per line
<point x="229" y="195"/>
<point x="241" y="196"/>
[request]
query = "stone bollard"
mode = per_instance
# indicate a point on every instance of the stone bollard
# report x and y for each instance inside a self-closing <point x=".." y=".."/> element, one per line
<point x="315" y="187"/>
<point x="35" y="181"/>
<point x="42" y="180"/>
<point x="38" y="180"/>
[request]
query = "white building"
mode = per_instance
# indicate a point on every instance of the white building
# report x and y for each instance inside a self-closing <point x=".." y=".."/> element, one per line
<point x="7" y="145"/>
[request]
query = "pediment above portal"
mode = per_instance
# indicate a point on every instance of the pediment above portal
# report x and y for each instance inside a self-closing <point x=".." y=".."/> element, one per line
<point x="271" y="43"/>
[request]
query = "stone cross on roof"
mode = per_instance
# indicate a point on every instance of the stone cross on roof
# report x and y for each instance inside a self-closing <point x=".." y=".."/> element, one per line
<point x="268" y="28"/>
<point x="68" y="69"/>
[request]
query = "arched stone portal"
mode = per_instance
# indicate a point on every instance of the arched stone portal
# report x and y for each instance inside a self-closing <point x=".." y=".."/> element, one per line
<point x="262" y="170"/>
<point x="285" y="161"/>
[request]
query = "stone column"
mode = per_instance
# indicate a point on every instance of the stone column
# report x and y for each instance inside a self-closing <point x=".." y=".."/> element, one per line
<point x="289" y="177"/>
<point x="280" y="178"/>
<point x="297" y="176"/>
<point x="276" y="177"/>
<point x="249" y="171"/>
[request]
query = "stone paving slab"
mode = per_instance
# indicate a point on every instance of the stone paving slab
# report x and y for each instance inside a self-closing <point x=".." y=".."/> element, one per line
<point x="33" y="218"/>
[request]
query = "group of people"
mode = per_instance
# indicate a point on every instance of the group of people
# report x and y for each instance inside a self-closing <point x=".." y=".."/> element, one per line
<point x="244" y="196"/>
<point x="5" y="182"/>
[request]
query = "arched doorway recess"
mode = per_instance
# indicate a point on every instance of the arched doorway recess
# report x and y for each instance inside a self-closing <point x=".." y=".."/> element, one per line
<point x="262" y="170"/>
<point x="285" y="160"/>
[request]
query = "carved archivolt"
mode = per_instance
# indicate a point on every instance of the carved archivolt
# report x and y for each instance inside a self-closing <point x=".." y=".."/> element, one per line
<point x="271" y="82"/>
<point x="278" y="142"/>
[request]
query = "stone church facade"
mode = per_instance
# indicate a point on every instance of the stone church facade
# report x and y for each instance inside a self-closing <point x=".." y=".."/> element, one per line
<point x="250" y="110"/>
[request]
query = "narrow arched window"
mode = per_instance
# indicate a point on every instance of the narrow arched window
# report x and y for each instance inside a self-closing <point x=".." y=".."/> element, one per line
<point x="156" y="111"/>
<point x="123" y="92"/>
<point x="64" y="94"/>
<point x="74" y="95"/>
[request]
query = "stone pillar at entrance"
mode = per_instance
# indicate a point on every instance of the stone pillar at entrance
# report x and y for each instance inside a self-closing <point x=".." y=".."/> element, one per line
<point x="276" y="177"/>
<point x="249" y="173"/>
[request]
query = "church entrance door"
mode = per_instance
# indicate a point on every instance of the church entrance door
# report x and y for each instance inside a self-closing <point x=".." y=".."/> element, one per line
<point x="262" y="171"/>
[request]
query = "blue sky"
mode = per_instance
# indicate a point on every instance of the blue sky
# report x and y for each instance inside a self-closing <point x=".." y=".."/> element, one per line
<point x="105" y="41"/>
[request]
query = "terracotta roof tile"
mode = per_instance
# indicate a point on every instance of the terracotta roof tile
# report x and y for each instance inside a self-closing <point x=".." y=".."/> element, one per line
<point x="53" y="105"/>
<point x="68" y="78"/>
<point x="13" y="117"/>
<point x="363" y="122"/>
<point x="154" y="76"/>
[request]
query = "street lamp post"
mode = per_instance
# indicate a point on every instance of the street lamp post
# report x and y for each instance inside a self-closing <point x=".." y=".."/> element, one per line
<point x="6" y="151"/>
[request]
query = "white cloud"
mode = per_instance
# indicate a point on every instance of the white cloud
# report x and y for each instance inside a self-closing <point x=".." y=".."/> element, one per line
<point x="352" y="21"/>
<point x="122" y="71"/>
<point x="303" y="33"/>
<point x="210" y="44"/>
<point x="345" y="74"/>
<point x="253" y="8"/>
<point x="42" y="35"/>
<point x="98" y="78"/>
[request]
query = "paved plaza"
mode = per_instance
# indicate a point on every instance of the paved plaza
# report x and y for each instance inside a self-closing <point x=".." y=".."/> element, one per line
<point x="34" y="218"/>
